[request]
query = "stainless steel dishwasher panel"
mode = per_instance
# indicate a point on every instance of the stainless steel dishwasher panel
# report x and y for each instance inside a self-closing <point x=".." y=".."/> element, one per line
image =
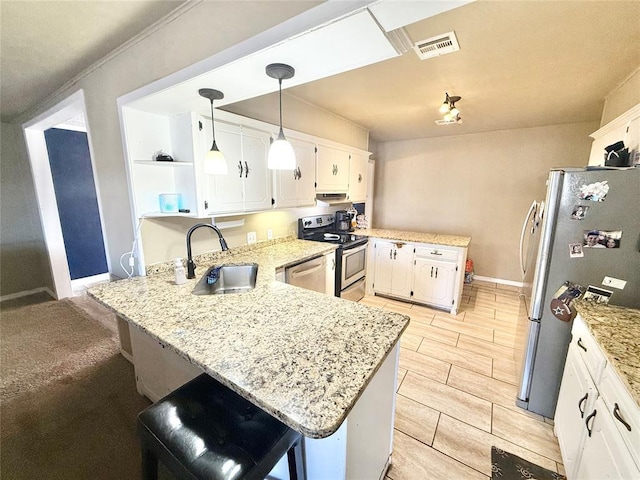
<point x="310" y="274"/>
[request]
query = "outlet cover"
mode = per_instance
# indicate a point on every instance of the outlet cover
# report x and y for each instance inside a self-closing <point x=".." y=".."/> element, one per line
<point x="270" y="234"/>
<point x="614" y="282"/>
<point x="251" y="237"/>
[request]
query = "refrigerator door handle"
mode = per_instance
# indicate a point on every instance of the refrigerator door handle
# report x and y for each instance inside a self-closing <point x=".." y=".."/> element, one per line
<point x="522" y="234"/>
<point x="527" y="368"/>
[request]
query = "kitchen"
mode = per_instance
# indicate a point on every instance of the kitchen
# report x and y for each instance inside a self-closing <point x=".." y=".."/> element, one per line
<point x="485" y="150"/>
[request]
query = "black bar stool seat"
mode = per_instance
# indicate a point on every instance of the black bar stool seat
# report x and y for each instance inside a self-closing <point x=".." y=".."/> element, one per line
<point x="204" y="430"/>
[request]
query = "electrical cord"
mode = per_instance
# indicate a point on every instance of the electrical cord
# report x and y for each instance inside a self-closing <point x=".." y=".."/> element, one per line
<point x="132" y="252"/>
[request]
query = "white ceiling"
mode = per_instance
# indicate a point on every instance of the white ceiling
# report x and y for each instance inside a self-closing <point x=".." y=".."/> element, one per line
<point x="521" y="63"/>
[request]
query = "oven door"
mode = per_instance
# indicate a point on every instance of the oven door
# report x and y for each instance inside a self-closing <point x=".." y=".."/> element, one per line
<point x="354" y="265"/>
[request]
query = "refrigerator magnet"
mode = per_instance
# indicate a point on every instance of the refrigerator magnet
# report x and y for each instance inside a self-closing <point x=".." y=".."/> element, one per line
<point x="575" y="250"/>
<point x="561" y="303"/>
<point x="596" y="192"/>
<point x="579" y="212"/>
<point x="602" y="238"/>
<point x="597" y="295"/>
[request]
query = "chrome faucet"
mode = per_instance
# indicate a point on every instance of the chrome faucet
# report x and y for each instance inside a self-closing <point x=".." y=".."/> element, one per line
<point x="191" y="267"/>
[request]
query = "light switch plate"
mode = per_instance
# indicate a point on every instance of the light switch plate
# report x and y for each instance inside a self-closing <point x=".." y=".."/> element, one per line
<point x="251" y="237"/>
<point x="614" y="282"/>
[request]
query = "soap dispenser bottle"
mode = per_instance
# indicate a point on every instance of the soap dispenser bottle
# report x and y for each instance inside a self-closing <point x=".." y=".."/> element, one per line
<point x="181" y="276"/>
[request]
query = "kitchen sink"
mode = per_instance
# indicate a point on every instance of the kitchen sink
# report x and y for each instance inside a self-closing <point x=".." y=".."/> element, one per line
<point x="233" y="278"/>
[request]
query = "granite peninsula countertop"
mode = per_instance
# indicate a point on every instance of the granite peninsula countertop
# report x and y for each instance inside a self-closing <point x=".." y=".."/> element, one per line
<point x="302" y="356"/>
<point x="617" y="331"/>
<point x="418" y="237"/>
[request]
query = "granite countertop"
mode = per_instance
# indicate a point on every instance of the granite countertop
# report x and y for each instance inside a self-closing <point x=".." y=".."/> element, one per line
<point x="302" y="356"/>
<point x="418" y="237"/>
<point x="617" y="331"/>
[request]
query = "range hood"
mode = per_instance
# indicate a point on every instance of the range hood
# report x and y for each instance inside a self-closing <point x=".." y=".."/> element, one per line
<point x="331" y="198"/>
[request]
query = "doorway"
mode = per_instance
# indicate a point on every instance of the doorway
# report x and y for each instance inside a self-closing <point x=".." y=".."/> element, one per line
<point x="59" y="146"/>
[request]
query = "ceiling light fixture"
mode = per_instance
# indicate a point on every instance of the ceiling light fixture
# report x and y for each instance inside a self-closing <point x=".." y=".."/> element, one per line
<point x="281" y="154"/>
<point x="214" y="162"/>
<point x="449" y="109"/>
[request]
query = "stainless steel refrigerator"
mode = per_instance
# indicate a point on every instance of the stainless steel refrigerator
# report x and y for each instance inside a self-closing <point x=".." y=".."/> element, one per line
<point x="587" y="228"/>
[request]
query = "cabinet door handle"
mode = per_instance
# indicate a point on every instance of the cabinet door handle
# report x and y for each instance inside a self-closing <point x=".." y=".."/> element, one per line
<point x="616" y="413"/>
<point x="359" y="178"/>
<point x="586" y="422"/>
<point x="390" y="254"/>
<point x="431" y="272"/>
<point x="333" y="264"/>
<point x="240" y="168"/>
<point x="581" y="345"/>
<point x="395" y="252"/>
<point x="246" y="169"/>
<point x="436" y="272"/>
<point x="580" y="402"/>
<point x="299" y="173"/>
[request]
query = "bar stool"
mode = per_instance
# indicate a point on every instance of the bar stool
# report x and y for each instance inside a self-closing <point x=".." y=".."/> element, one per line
<point x="203" y="430"/>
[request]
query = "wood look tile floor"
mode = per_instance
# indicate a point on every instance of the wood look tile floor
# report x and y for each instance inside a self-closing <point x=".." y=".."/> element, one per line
<point x="457" y="388"/>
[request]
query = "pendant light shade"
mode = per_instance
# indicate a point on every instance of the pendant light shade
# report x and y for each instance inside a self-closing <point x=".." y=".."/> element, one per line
<point x="281" y="155"/>
<point x="214" y="161"/>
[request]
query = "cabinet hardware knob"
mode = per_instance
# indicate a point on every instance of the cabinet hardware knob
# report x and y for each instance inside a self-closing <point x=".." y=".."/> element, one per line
<point x="395" y="252"/>
<point x="299" y="173"/>
<point x="359" y="178"/>
<point x="390" y="254"/>
<point x="616" y="413"/>
<point x="431" y="272"/>
<point x="580" y="402"/>
<point x="581" y="345"/>
<point x="240" y="168"/>
<point x="246" y="169"/>
<point x="436" y="272"/>
<point x="586" y="422"/>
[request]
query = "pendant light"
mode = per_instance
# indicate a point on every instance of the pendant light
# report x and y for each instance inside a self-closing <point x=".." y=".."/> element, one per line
<point x="281" y="154"/>
<point x="214" y="161"/>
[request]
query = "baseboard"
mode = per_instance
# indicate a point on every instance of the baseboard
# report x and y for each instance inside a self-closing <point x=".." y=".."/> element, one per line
<point x="26" y="293"/>
<point x="498" y="280"/>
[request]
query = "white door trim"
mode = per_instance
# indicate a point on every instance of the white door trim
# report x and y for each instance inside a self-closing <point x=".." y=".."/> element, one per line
<point x="41" y="172"/>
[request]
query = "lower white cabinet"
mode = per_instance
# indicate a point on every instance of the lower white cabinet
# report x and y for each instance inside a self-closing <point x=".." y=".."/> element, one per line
<point x="434" y="276"/>
<point x="418" y="272"/>
<point x="158" y="369"/>
<point x="589" y="418"/>
<point x="393" y="266"/>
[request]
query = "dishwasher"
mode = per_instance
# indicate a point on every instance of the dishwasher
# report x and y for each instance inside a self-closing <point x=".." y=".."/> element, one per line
<point x="310" y="274"/>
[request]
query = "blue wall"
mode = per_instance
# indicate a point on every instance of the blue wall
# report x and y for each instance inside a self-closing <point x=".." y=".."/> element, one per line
<point x="77" y="202"/>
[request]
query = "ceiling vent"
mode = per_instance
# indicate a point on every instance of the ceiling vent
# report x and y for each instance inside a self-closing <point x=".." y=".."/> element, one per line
<point x="436" y="46"/>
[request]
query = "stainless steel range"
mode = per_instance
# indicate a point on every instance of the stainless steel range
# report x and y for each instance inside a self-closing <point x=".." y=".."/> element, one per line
<point x="351" y="255"/>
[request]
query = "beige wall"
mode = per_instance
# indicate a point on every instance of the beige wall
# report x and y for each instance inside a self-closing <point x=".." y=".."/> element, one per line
<point x="480" y="185"/>
<point x="23" y="257"/>
<point x="621" y="99"/>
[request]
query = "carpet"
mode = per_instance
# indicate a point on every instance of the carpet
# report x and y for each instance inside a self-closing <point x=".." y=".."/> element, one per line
<point x="68" y="398"/>
<point x="507" y="466"/>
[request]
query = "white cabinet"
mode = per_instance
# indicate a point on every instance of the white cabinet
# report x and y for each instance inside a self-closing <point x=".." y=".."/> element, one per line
<point x="158" y="369"/>
<point x="434" y="276"/>
<point x="332" y="169"/>
<point x="297" y="188"/>
<point x="358" y="177"/>
<point x="393" y="267"/>
<point x="577" y="397"/>
<point x="605" y="455"/>
<point x="247" y="186"/>
<point x="624" y="128"/>
<point x="417" y="272"/>
<point x="592" y="415"/>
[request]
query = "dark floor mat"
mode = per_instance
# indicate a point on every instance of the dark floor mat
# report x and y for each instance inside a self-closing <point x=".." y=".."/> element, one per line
<point x="507" y="466"/>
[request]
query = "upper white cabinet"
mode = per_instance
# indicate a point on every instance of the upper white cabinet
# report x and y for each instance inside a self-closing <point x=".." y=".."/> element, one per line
<point x="247" y="186"/>
<point x="297" y="188"/>
<point x="358" y="177"/>
<point x="332" y="169"/>
<point x="625" y="128"/>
